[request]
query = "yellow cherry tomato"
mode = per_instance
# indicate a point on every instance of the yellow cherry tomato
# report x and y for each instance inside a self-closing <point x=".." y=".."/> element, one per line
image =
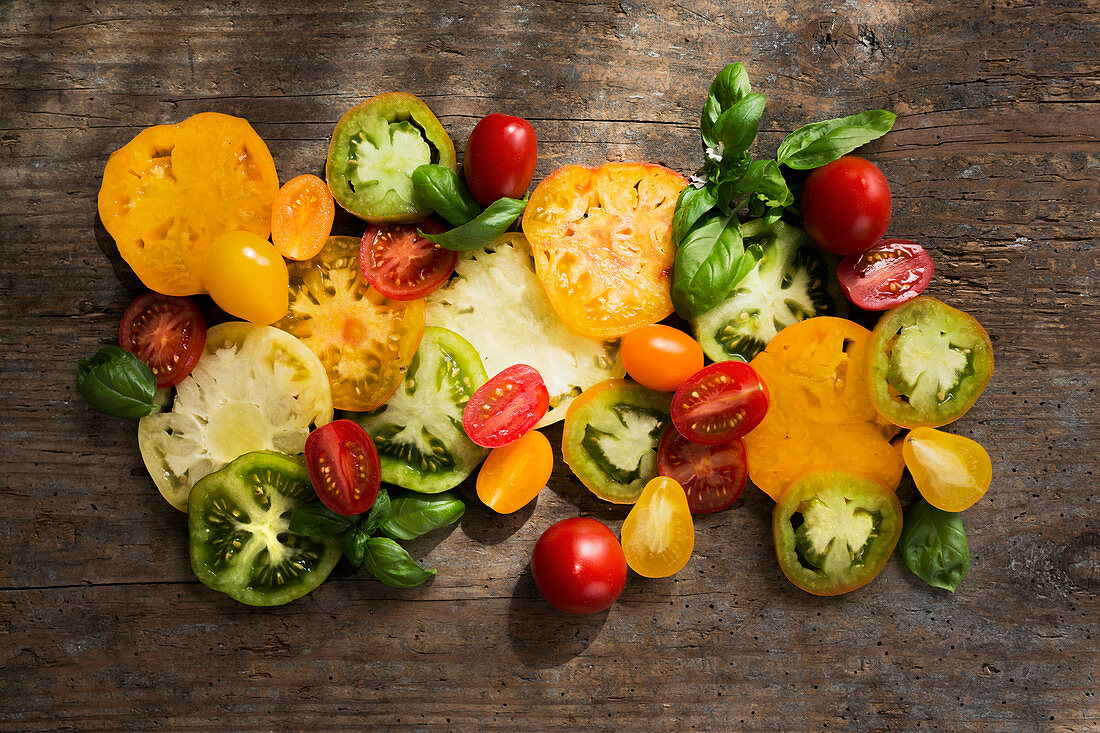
<point x="658" y="534"/>
<point x="950" y="471"/>
<point x="514" y="474"/>
<point x="661" y="357"/>
<point x="247" y="277"/>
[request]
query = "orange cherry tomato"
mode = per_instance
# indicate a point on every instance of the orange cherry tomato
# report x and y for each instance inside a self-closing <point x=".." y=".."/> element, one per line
<point x="301" y="217"/>
<point x="658" y="534"/>
<point x="950" y="471"/>
<point x="247" y="277"/>
<point x="514" y="474"/>
<point x="661" y="357"/>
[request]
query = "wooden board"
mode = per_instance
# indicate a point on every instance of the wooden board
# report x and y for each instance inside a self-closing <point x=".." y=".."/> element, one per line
<point x="993" y="166"/>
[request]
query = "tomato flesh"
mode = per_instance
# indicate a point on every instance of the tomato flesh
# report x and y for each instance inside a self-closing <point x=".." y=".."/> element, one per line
<point x="579" y="566"/>
<point x="514" y="474"/>
<point x="846" y="205"/>
<point x="658" y="533"/>
<point x="720" y="403"/>
<point x="713" y="476"/>
<point x="661" y="357"/>
<point x="401" y="264"/>
<point x="247" y="277"/>
<point x="506" y="407"/>
<point x="500" y="158"/>
<point x="167" y="333"/>
<point x="950" y="471"/>
<point x="343" y="466"/>
<point x="301" y="217"/>
<point x="888" y="274"/>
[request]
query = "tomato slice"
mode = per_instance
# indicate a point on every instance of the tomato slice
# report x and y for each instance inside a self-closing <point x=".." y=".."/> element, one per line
<point x="301" y="217"/>
<point x="165" y="332"/>
<point x="514" y="474"/>
<point x="343" y="466"/>
<point x="713" y="476"/>
<point x="658" y="533"/>
<point x="506" y="407"/>
<point x="403" y="265"/>
<point x="720" y="403"/>
<point x="888" y="274"/>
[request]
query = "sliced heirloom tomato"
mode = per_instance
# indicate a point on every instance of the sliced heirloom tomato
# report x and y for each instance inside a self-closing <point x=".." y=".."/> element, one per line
<point x="661" y="357"/>
<point x="602" y="246"/>
<point x="301" y="217"/>
<point x="713" y="476"/>
<point x="506" y="407"/>
<point x="888" y="274"/>
<point x="658" y="533"/>
<point x="402" y="264"/>
<point x="343" y="466"/>
<point x="165" y="332"/>
<point x="720" y="403"/>
<point x="514" y="474"/>
<point x="950" y="471"/>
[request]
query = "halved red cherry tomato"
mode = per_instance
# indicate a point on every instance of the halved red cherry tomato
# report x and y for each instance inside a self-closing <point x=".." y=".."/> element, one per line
<point x="661" y="357"/>
<point x="500" y="158"/>
<point x="888" y="274"/>
<point x="720" y="403"/>
<point x="713" y="476"/>
<point x="846" y="205"/>
<point x="506" y="407"/>
<point x="400" y="263"/>
<point x="579" y="566"/>
<point x="165" y="332"/>
<point x="301" y="217"/>
<point x="343" y="466"/>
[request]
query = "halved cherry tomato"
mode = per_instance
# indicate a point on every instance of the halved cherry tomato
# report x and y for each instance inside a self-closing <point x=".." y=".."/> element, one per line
<point x="720" y="403"/>
<point x="247" y="277"/>
<point x="500" y="158"/>
<point x="343" y="466"/>
<point x="578" y="566"/>
<point x="661" y="357"/>
<point x="401" y="264"/>
<point x="950" y="471"/>
<point x="506" y="407"/>
<point x="165" y="332"/>
<point x="888" y="274"/>
<point x="301" y="217"/>
<point x="514" y="474"/>
<point x="846" y="205"/>
<point x="713" y="476"/>
<point x="658" y="533"/>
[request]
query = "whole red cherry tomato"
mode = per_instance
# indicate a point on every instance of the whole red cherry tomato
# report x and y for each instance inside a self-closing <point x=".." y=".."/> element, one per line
<point x="343" y="467"/>
<point x="579" y="566"/>
<point x="500" y="158"/>
<point x="846" y="205"/>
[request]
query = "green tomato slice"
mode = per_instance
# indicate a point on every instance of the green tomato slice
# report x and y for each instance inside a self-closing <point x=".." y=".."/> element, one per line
<point x="240" y="538"/>
<point x="418" y="432"/>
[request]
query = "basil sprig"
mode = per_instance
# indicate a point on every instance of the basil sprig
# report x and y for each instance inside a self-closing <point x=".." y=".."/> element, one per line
<point x="482" y="229"/>
<point x="933" y="545"/>
<point x="118" y="383"/>
<point x="439" y="188"/>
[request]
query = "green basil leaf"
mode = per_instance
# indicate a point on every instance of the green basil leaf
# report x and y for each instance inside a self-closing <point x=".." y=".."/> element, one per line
<point x="711" y="110"/>
<point x="823" y="142"/>
<point x="707" y="265"/>
<point x="737" y="183"/>
<point x="118" y="383"/>
<point x="757" y="208"/>
<point x="483" y="229"/>
<point x="391" y="564"/>
<point x="412" y="514"/>
<point x="690" y="207"/>
<point x="378" y="513"/>
<point x="317" y="520"/>
<point x="439" y="188"/>
<point x="354" y="546"/>
<point x="773" y="189"/>
<point x="736" y="128"/>
<point x="729" y="87"/>
<point x="933" y="545"/>
<point x="772" y="216"/>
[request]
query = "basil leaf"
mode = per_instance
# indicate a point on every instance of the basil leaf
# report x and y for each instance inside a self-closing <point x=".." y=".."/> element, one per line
<point x="933" y="546"/>
<point x="736" y="128"/>
<point x="118" y="383"/>
<point x="439" y="188"/>
<point x="772" y="216"/>
<point x="378" y="513"/>
<point x="692" y="204"/>
<point x="823" y="142"/>
<point x="317" y="520"/>
<point x="739" y="182"/>
<point x="483" y="229"/>
<point x="354" y="546"/>
<point x="773" y="189"/>
<point x="412" y="514"/>
<point x="729" y="87"/>
<point x="707" y="265"/>
<point x="391" y="564"/>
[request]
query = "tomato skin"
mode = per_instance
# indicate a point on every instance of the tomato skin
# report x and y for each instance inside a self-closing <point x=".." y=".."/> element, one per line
<point x="951" y="472"/>
<point x="579" y="566"/>
<point x="713" y="476"/>
<point x="506" y="407"/>
<point x="247" y="277"/>
<point x="166" y="332"/>
<point x="846" y="205"/>
<point x="661" y="357"/>
<point x="301" y="217"/>
<point x="343" y="466"/>
<point x="720" y="403"/>
<point x="500" y="158"/>
<point x="401" y="264"/>
<point x="514" y="474"/>
<point x="888" y="274"/>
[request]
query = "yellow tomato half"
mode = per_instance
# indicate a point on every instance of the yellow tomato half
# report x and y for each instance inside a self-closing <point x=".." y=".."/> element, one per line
<point x="950" y="471"/>
<point x="658" y="534"/>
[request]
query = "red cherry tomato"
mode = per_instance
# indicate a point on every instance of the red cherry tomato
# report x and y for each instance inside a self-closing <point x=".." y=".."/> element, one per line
<point x="720" y="403"/>
<point x="888" y="274"/>
<point x="402" y="265"/>
<point x="506" y="407"/>
<point x="713" y="476"/>
<point x="846" y="205"/>
<point x="165" y="332"/>
<point x="500" y="158"/>
<point x="661" y="357"/>
<point x="343" y="467"/>
<point x="579" y="566"/>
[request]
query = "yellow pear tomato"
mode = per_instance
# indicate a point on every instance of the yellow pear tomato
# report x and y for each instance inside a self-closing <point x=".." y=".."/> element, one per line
<point x="950" y="471"/>
<point x="247" y="277"/>
<point x="658" y="534"/>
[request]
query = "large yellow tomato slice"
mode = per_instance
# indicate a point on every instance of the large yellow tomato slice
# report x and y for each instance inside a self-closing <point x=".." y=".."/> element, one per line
<point x="365" y="340"/>
<point x="602" y="246"/>
<point x="173" y="189"/>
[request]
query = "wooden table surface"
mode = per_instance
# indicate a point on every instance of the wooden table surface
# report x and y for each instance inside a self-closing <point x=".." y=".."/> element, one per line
<point x="993" y="166"/>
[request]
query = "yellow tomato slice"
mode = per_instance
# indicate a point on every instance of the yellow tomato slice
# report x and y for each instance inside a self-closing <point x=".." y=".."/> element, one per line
<point x="950" y="471"/>
<point x="514" y="474"/>
<point x="658" y="533"/>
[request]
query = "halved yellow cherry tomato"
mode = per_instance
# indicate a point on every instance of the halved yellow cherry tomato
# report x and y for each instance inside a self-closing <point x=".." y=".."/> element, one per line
<point x="950" y="471"/>
<point x="301" y="218"/>
<point x="661" y="357"/>
<point x="514" y="474"/>
<point x="658" y="534"/>
<point x="247" y="277"/>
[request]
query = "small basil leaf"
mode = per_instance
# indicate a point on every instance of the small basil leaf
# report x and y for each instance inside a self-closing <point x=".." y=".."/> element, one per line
<point x="378" y="513"/>
<point x="690" y="207"/>
<point x="483" y="229"/>
<point x="317" y="520"/>
<point x="823" y="142"/>
<point x="743" y="180"/>
<point x="772" y="216"/>
<point x="118" y="383"/>
<point x="731" y="85"/>
<point x="736" y="128"/>
<point x="391" y="564"/>
<point x="412" y="514"/>
<point x="707" y="265"/>
<point x="756" y="207"/>
<point x="773" y="189"/>
<point x="933" y="545"/>
<point x="354" y="546"/>
<point x="439" y="188"/>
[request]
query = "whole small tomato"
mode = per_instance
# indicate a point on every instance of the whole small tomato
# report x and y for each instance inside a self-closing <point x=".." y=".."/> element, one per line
<point x="500" y="158"/>
<point x="661" y="357"/>
<point x="247" y="277"/>
<point x="846" y="205"/>
<point x="579" y="566"/>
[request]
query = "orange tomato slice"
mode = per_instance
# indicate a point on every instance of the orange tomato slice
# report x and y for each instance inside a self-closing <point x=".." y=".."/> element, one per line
<point x="301" y="218"/>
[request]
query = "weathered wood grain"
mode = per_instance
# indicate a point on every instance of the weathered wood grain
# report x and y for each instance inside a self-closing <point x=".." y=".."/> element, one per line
<point x="993" y="165"/>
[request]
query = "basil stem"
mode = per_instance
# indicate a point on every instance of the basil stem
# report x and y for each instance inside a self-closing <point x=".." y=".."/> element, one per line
<point x="933" y="545"/>
<point x="391" y="564"/>
<point x="483" y="229"/>
<point x="439" y="188"/>
<point x="117" y="383"/>
<point x="823" y="142"/>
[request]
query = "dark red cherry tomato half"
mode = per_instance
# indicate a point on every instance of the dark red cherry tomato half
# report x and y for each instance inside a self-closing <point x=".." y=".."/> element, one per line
<point x="401" y="264"/>
<point x="888" y="274"/>
<point x="579" y="566"/>
<point x="500" y="158"/>
<point x="846" y="205"/>
<point x="720" y="403"/>
<point x="713" y="476"/>
<point x="506" y="407"/>
<point x="344" y="467"/>
<point x="165" y="332"/>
